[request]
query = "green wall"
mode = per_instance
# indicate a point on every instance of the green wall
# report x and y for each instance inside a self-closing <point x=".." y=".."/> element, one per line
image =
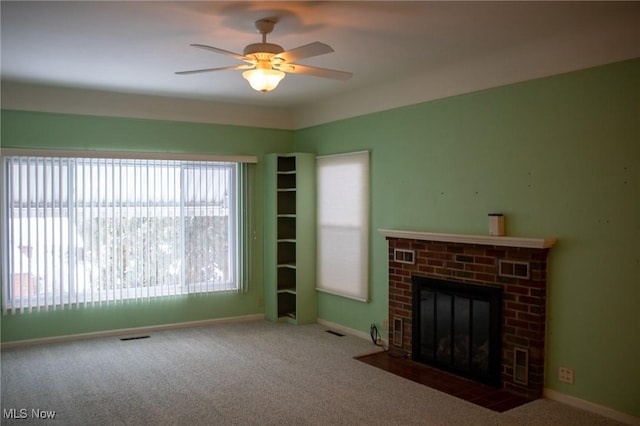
<point x="61" y="131"/>
<point x="560" y="157"/>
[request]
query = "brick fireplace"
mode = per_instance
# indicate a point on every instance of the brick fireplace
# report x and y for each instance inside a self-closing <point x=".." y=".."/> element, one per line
<point x="516" y="265"/>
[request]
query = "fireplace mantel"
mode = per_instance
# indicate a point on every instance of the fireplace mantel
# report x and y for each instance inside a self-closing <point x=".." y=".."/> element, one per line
<point x="471" y="239"/>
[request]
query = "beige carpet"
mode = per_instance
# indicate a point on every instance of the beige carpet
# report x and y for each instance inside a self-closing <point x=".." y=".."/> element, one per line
<point x="253" y="373"/>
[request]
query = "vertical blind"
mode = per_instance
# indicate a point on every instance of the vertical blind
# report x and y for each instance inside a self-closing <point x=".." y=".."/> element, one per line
<point x="103" y="230"/>
<point x="343" y="224"/>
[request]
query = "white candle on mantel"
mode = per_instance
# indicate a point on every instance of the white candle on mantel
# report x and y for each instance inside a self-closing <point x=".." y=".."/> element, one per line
<point x="496" y="224"/>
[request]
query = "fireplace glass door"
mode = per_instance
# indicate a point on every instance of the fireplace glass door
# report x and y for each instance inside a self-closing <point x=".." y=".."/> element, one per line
<point x="456" y="327"/>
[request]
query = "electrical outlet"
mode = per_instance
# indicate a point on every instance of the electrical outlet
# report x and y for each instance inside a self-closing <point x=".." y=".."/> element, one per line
<point x="565" y="375"/>
<point x="385" y="324"/>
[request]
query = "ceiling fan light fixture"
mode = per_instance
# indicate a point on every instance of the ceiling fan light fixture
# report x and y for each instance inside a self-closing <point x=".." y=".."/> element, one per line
<point x="271" y="61"/>
<point x="263" y="80"/>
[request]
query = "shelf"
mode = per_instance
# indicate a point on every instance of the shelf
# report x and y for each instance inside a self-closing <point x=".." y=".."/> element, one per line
<point x="286" y="278"/>
<point x="288" y="315"/>
<point x="286" y="227"/>
<point x="286" y="180"/>
<point x="286" y="237"/>
<point x="286" y="253"/>
<point x="286" y="202"/>
<point x="286" y="164"/>
<point x="287" y="305"/>
<point x="471" y="239"/>
<point x="290" y="234"/>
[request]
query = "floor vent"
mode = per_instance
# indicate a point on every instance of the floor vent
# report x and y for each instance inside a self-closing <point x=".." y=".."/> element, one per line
<point x="125" y="339"/>
<point x="335" y="333"/>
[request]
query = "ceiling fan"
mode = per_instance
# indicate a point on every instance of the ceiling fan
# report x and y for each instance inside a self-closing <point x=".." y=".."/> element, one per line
<point x="267" y="63"/>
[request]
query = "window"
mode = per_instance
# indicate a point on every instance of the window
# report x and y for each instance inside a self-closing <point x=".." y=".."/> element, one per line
<point x="343" y="225"/>
<point x="104" y="230"/>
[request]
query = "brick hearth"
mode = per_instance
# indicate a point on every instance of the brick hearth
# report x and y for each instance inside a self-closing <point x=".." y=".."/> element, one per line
<point x="523" y="299"/>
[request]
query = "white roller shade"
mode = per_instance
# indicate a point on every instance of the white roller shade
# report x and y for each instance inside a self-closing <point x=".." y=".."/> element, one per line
<point x="343" y="225"/>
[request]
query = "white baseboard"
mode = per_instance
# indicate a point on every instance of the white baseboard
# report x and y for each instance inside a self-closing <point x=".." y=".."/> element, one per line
<point x="591" y="407"/>
<point x="348" y="330"/>
<point x="343" y="329"/>
<point x="129" y="331"/>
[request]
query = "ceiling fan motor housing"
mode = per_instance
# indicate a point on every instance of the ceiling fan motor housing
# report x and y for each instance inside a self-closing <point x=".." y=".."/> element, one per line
<point x="270" y="48"/>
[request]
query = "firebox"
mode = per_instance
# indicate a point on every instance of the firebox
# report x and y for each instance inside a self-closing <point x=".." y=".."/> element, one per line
<point x="457" y="328"/>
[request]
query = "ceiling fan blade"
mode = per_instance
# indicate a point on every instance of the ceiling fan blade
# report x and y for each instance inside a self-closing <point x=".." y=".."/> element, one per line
<point x="237" y="67"/>
<point x="314" y="71"/>
<point x="224" y="52"/>
<point x="306" y="51"/>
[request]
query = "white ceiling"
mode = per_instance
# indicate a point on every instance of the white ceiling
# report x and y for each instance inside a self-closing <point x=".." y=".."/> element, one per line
<point x="411" y="50"/>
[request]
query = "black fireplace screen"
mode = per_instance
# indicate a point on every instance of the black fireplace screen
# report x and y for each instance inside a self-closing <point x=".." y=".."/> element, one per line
<point x="456" y="327"/>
